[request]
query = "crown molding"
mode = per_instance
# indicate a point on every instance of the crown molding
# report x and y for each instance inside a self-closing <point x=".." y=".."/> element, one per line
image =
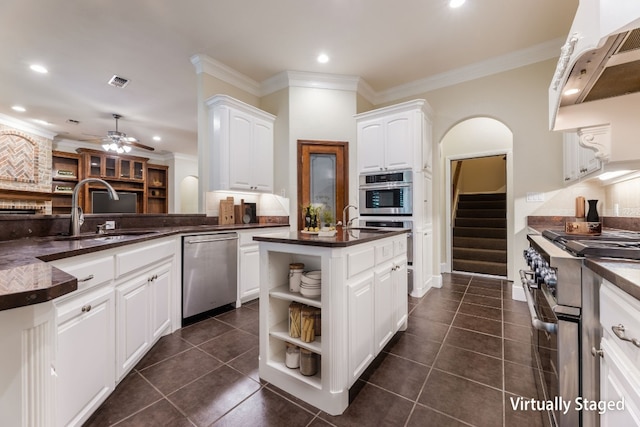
<point x="26" y="127"/>
<point x="206" y="64"/>
<point x="510" y="61"/>
<point x="285" y="79"/>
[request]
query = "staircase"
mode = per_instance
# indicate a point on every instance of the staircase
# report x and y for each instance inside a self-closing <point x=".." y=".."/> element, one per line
<point x="480" y="234"/>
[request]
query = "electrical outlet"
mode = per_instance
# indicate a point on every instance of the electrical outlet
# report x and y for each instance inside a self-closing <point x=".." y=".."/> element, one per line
<point x="110" y="225"/>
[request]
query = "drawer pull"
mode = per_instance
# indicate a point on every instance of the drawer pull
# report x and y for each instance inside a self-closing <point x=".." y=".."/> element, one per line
<point x="86" y="279"/>
<point x="86" y="308"/>
<point x="619" y="331"/>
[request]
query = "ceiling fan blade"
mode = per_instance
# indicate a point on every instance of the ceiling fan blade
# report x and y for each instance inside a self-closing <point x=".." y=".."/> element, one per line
<point x="139" y="145"/>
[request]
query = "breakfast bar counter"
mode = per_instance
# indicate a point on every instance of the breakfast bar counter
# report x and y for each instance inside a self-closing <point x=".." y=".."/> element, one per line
<point x="355" y="286"/>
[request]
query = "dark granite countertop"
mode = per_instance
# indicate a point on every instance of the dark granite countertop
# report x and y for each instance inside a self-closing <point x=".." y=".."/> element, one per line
<point x="623" y="273"/>
<point x="343" y="238"/>
<point x="26" y="278"/>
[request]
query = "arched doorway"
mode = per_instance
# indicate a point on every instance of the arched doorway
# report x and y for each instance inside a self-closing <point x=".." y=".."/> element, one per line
<point x="486" y="146"/>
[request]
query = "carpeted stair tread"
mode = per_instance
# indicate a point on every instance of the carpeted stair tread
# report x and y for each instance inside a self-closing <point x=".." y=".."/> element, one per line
<point x="477" y="254"/>
<point x="494" y="233"/>
<point x="480" y="234"/>
<point x="481" y="222"/>
<point x="479" y="242"/>
<point x="483" y="267"/>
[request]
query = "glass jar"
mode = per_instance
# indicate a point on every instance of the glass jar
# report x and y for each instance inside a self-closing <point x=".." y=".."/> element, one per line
<point x="308" y="362"/>
<point x="295" y="274"/>
<point x="308" y="328"/>
<point x="292" y="356"/>
<point x="294" y="319"/>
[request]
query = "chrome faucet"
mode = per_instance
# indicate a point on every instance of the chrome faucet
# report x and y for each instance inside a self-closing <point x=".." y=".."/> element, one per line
<point x="344" y="215"/>
<point x="77" y="216"/>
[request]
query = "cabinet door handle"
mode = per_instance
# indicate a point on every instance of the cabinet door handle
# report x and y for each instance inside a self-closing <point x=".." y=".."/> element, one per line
<point x="86" y="279"/>
<point x="86" y="308"/>
<point x="619" y="331"/>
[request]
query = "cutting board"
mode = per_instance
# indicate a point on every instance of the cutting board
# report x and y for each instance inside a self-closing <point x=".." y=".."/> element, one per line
<point x="239" y="211"/>
<point x="226" y="215"/>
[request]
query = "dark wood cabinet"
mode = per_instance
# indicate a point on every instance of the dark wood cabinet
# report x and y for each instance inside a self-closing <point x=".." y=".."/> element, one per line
<point x="157" y="188"/>
<point x="129" y="174"/>
<point x="65" y="174"/>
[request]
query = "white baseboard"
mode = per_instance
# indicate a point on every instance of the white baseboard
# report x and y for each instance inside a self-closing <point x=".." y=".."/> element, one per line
<point x="517" y="293"/>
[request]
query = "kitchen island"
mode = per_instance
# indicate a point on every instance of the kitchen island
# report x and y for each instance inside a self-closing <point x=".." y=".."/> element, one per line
<point x="362" y="304"/>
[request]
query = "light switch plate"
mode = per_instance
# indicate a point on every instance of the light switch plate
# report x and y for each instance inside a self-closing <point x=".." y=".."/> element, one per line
<point x="535" y="197"/>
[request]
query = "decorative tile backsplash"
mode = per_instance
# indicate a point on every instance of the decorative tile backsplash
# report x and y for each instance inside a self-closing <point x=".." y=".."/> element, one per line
<point x="25" y="165"/>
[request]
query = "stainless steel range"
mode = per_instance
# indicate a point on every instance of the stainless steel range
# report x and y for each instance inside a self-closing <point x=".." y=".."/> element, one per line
<point x="562" y="296"/>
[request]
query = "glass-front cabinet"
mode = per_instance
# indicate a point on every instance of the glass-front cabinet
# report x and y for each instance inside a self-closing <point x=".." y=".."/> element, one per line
<point x="105" y="166"/>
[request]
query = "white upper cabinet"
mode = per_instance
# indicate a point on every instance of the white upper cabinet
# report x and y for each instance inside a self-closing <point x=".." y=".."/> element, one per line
<point x="392" y="138"/>
<point x="241" y="146"/>
<point x="579" y="161"/>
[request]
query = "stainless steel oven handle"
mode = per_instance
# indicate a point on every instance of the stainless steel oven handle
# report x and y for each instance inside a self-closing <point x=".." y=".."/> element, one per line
<point x="619" y="331"/>
<point x="552" y="328"/>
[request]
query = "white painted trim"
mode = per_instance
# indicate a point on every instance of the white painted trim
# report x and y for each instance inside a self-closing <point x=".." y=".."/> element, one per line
<point x="25" y="127"/>
<point x="206" y="64"/>
<point x="309" y="80"/>
<point x="448" y="203"/>
<point x="510" y="61"/>
<point x="517" y="293"/>
<point x="541" y="52"/>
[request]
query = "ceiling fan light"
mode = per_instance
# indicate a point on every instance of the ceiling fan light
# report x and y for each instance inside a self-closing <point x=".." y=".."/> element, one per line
<point x="126" y="148"/>
<point x="113" y="146"/>
<point x="106" y="147"/>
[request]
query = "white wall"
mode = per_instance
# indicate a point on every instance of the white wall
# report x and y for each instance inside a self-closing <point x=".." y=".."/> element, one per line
<point x="181" y="167"/>
<point x="320" y="114"/>
<point x="517" y="98"/>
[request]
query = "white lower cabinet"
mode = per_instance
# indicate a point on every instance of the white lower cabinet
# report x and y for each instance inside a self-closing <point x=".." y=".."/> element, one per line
<point x="142" y="316"/>
<point x="361" y="329"/>
<point x="363" y="304"/>
<point x="383" y="307"/>
<point x="620" y="363"/>
<point x="249" y="262"/>
<point x="85" y="359"/>
<point x="132" y="318"/>
<point x="123" y="305"/>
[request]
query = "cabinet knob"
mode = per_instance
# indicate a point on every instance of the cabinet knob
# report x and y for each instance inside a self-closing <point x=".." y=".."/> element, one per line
<point x="86" y="308"/>
<point x="597" y="352"/>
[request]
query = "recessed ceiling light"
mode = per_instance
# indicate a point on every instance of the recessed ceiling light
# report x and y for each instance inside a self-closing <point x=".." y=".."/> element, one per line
<point x="569" y="92"/>
<point x="39" y="69"/>
<point x="323" y="58"/>
<point x="456" y="3"/>
<point x="157" y="138"/>
<point x="42" y="122"/>
<point x="18" y="108"/>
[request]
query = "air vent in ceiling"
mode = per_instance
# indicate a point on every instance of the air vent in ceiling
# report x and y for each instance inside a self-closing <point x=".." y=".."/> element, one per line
<point x="118" y="81"/>
<point x="73" y="122"/>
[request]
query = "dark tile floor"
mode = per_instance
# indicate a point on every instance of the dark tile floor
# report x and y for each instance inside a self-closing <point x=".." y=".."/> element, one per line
<point x="466" y="352"/>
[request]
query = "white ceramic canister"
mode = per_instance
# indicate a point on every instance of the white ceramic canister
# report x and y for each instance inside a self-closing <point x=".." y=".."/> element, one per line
<point x="295" y="274"/>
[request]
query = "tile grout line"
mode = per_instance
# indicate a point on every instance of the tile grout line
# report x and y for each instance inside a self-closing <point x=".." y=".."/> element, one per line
<point x="435" y="358"/>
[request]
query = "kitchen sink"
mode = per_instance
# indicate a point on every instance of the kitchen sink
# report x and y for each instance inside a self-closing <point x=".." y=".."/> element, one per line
<point x="117" y="235"/>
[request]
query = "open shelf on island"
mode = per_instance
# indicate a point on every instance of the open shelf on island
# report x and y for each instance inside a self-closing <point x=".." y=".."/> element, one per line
<point x="283" y="292"/>
<point x="281" y="331"/>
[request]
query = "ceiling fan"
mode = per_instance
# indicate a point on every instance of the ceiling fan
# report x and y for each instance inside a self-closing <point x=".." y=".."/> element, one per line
<point x="119" y="141"/>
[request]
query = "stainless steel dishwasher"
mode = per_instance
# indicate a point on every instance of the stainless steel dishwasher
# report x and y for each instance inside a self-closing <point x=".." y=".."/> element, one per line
<point x="209" y="272"/>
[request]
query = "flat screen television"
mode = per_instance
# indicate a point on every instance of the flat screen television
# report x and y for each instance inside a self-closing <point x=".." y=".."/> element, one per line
<point x="103" y="204"/>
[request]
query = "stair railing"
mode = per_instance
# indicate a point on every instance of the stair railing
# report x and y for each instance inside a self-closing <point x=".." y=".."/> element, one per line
<point x="455" y="189"/>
